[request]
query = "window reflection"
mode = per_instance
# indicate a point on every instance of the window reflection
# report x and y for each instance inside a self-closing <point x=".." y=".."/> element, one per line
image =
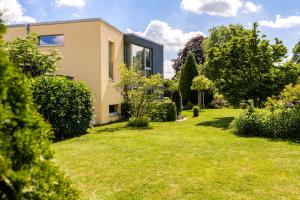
<point x="51" y="40"/>
<point x="141" y="59"/>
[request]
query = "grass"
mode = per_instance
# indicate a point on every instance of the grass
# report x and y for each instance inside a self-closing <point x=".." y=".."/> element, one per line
<point x="193" y="159"/>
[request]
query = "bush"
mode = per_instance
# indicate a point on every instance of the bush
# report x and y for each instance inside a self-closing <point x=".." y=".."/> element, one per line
<point x="176" y="98"/>
<point x="196" y="111"/>
<point x="280" y="123"/>
<point x="163" y="111"/>
<point x="66" y="104"/>
<point x="138" y="121"/>
<point x="219" y="102"/>
<point x="125" y="111"/>
<point x="26" y="171"/>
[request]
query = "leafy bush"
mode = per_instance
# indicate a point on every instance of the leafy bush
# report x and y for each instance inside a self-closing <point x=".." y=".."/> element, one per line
<point x="125" y="111"/>
<point x="280" y="123"/>
<point x="24" y="53"/>
<point x="26" y="171"/>
<point x="176" y="98"/>
<point x="66" y="104"/>
<point x="138" y="121"/>
<point x="163" y="111"/>
<point x="196" y="111"/>
<point x="219" y="102"/>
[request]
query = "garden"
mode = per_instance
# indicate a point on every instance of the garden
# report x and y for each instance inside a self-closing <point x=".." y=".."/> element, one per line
<point x="227" y="125"/>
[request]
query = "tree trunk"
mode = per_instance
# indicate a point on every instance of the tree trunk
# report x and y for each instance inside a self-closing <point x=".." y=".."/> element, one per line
<point x="203" y="106"/>
<point x="199" y="98"/>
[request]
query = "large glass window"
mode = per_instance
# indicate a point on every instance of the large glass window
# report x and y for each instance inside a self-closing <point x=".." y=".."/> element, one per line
<point x="141" y="59"/>
<point x="111" y="54"/>
<point x="51" y="40"/>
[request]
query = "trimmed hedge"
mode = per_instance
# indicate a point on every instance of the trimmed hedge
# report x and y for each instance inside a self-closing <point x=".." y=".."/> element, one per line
<point x="164" y="111"/>
<point x="66" y="104"/>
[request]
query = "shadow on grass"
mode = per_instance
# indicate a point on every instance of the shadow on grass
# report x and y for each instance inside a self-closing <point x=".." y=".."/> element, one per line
<point x="222" y="123"/>
<point x="292" y="141"/>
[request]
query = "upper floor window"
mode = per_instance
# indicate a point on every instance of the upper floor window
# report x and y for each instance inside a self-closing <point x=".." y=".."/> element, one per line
<point x="51" y="40"/>
<point x="141" y="59"/>
<point x="111" y="55"/>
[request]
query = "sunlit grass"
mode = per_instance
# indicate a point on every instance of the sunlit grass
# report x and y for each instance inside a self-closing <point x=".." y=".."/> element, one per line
<point x="193" y="159"/>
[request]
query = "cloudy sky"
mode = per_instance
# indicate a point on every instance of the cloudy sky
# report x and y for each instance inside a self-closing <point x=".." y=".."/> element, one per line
<point x="170" y="22"/>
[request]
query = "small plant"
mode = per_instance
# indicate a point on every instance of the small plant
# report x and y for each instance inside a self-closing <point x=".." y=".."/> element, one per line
<point x="138" y="122"/>
<point x="163" y="111"/>
<point x="196" y="110"/>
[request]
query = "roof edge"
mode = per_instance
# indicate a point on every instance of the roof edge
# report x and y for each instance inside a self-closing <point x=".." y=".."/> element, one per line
<point x="64" y="22"/>
<point x="136" y="35"/>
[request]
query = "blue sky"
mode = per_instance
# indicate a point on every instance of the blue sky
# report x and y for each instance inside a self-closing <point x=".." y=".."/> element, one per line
<point x="171" y="22"/>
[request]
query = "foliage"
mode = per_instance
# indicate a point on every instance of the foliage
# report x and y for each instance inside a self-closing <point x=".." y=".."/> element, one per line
<point x="163" y="111"/>
<point x="201" y="84"/>
<point x="281" y="118"/>
<point x="26" y="170"/>
<point x="177" y="99"/>
<point x="219" y="101"/>
<point x="244" y="65"/>
<point x="139" y="90"/>
<point x="196" y="111"/>
<point x="169" y="87"/>
<point x="142" y="121"/>
<point x="188" y="72"/>
<point x="194" y="46"/>
<point x="24" y="53"/>
<point x="296" y="53"/>
<point x="289" y="97"/>
<point x="125" y="111"/>
<point x="66" y="104"/>
<point x="280" y="123"/>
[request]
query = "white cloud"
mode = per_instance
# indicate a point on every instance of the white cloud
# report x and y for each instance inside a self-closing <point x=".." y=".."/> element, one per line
<point x="251" y="7"/>
<point x="282" y="22"/>
<point x="224" y="8"/>
<point x="13" y="12"/>
<point x="171" y="38"/>
<point x="70" y="3"/>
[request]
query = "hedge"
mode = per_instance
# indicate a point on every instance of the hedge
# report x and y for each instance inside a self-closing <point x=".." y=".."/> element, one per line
<point x="66" y="104"/>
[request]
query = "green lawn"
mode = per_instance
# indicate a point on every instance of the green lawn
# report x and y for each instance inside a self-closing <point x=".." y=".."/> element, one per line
<point x="193" y="159"/>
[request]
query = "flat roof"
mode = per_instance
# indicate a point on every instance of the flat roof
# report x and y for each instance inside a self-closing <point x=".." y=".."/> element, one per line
<point x="78" y="21"/>
<point x="65" y="22"/>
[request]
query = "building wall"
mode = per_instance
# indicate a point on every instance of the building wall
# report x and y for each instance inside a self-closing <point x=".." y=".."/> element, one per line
<point x="85" y="57"/>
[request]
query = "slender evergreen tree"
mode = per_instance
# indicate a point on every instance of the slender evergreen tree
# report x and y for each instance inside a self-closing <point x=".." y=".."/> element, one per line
<point x="188" y="72"/>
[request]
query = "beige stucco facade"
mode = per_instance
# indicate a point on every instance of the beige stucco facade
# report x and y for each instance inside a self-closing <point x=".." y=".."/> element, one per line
<point x="85" y="57"/>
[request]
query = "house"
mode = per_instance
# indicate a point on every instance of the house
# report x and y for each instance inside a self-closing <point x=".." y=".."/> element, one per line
<point x="92" y="50"/>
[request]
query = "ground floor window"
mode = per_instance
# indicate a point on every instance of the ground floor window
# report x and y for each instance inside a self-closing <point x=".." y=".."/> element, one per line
<point x="113" y="110"/>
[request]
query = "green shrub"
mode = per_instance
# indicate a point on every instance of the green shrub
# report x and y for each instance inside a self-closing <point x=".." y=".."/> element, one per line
<point x="138" y="121"/>
<point x="280" y="123"/>
<point x="26" y="170"/>
<point x="176" y="98"/>
<point x="66" y="104"/>
<point x="196" y="111"/>
<point x="163" y="111"/>
<point x="218" y="101"/>
<point x="125" y="111"/>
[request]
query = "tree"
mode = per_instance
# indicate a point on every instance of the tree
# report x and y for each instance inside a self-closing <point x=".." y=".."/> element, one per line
<point x="296" y="53"/>
<point x="201" y="84"/>
<point x="24" y="53"/>
<point x="177" y="99"/>
<point x="244" y="65"/>
<point x="188" y="72"/>
<point x="139" y="91"/>
<point x="194" y="46"/>
<point x="26" y="170"/>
